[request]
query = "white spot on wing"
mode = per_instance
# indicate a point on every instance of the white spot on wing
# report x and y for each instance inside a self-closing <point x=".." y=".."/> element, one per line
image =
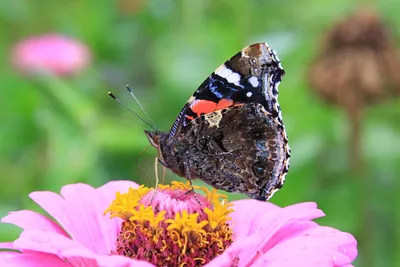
<point x="224" y="73"/>
<point x="228" y="74"/>
<point x="234" y="78"/>
<point x="249" y="94"/>
<point x="253" y="81"/>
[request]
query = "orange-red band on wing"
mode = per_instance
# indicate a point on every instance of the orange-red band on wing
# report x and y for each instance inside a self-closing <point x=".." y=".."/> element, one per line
<point x="224" y="103"/>
<point x="189" y="117"/>
<point x="203" y="106"/>
<point x="206" y="106"/>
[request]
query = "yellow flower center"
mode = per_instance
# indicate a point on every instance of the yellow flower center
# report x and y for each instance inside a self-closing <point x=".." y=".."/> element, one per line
<point x="170" y="226"/>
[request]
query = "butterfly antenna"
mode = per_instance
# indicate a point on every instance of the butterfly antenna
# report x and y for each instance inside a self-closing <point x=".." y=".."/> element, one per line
<point x="130" y="110"/>
<point x="140" y="105"/>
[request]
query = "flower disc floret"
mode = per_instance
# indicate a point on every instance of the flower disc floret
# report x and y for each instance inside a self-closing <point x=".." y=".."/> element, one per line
<point x="171" y="225"/>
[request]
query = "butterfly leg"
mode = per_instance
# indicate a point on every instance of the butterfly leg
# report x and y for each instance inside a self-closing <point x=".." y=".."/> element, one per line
<point x="191" y="189"/>
<point x="157" y="180"/>
<point x="164" y="170"/>
<point x="156" y="171"/>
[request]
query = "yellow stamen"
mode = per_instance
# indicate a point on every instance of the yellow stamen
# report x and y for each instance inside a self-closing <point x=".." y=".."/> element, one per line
<point x="218" y="216"/>
<point x="213" y="196"/>
<point x="125" y="204"/>
<point x="156" y="236"/>
<point x="180" y="185"/>
<point x="185" y="222"/>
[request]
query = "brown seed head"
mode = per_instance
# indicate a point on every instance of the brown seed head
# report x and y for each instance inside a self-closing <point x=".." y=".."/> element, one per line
<point x="358" y="63"/>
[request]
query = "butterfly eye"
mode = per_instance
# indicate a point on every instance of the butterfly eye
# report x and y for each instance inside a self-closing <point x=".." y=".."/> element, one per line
<point x="259" y="169"/>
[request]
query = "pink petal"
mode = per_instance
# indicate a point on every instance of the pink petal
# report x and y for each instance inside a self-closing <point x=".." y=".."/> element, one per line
<point x="6" y="245"/>
<point x="94" y="228"/>
<point x="246" y="213"/>
<point x="320" y="246"/>
<point x="16" y="259"/>
<point x="80" y="212"/>
<point x="46" y="242"/>
<point x="49" y="242"/>
<point x="230" y="254"/>
<point x="121" y="261"/>
<point x="291" y="230"/>
<point x="29" y="220"/>
<point x="267" y="225"/>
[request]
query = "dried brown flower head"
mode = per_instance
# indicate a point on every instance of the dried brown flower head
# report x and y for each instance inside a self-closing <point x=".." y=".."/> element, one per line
<point x="358" y="64"/>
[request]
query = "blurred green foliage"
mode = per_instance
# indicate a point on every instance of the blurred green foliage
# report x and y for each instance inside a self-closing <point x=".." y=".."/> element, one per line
<point x="59" y="131"/>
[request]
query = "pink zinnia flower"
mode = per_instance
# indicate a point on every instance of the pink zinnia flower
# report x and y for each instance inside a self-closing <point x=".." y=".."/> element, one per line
<point x="170" y="227"/>
<point x="54" y="53"/>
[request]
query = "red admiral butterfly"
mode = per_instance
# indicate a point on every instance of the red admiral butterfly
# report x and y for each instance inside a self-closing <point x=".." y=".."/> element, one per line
<point x="230" y="133"/>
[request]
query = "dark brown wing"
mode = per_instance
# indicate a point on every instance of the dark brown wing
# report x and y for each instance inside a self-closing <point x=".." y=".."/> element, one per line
<point x="243" y="148"/>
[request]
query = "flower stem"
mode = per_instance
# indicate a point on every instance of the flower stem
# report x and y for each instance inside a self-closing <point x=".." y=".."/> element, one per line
<point x="366" y="227"/>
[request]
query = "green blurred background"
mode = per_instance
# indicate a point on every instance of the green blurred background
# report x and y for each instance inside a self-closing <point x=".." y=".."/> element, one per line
<point x="56" y="131"/>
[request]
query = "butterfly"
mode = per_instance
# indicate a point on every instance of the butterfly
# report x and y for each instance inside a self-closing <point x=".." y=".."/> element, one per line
<point x="230" y="133"/>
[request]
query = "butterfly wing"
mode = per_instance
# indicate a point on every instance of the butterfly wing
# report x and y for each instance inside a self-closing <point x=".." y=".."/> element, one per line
<point x="242" y="148"/>
<point x="230" y="133"/>
<point x="250" y="76"/>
